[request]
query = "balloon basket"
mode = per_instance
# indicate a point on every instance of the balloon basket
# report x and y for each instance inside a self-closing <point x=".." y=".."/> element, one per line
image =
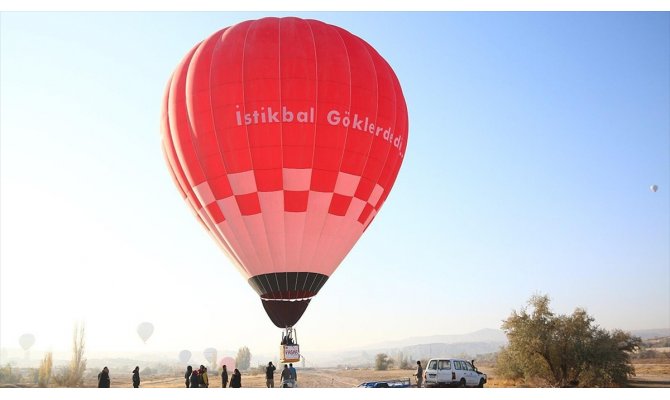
<point x="289" y="353"/>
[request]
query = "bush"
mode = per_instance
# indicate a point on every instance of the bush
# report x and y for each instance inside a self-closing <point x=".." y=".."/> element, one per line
<point x="564" y="350"/>
<point x="383" y="362"/>
<point x="44" y="375"/>
<point x="7" y="375"/>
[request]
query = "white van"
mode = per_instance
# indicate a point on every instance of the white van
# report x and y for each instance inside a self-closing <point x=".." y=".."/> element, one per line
<point x="453" y="372"/>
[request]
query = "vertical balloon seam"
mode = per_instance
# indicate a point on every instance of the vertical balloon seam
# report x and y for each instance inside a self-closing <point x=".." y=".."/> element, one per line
<point x="240" y="252"/>
<point x="306" y="245"/>
<point x="168" y="146"/>
<point x="374" y="57"/>
<point x="314" y="131"/>
<point x="218" y="235"/>
<point x="231" y="252"/>
<point x="173" y="133"/>
<point x="404" y="118"/>
<point x="236" y="222"/>
<point x="235" y="253"/>
<point x="340" y="241"/>
<point x="263" y="215"/>
<point x="344" y="46"/>
<point x="246" y="128"/>
<point x="173" y="157"/>
<point x="254" y="25"/>
<point x="282" y="245"/>
<point x="393" y="160"/>
<point x="308" y="23"/>
<point x="241" y="227"/>
<point x="302" y="260"/>
<point x="388" y="164"/>
<point x="353" y="238"/>
<point x="189" y="136"/>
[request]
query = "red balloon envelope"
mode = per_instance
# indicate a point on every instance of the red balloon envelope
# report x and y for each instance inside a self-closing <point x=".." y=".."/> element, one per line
<point x="229" y="362"/>
<point x="285" y="136"/>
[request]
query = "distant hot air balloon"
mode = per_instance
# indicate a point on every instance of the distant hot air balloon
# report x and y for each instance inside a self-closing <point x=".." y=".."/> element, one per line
<point x="285" y="137"/>
<point x="145" y="329"/>
<point x="27" y="341"/>
<point x="210" y="354"/>
<point x="184" y="356"/>
<point x="654" y="188"/>
<point x="229" y="362"/>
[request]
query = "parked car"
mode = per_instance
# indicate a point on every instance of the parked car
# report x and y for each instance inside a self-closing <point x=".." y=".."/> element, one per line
<point x="453" y="372"/>
<point x="393" y="383"/>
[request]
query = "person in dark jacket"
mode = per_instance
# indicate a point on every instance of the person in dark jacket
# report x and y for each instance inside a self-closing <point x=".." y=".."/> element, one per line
<point x="103" y="378"/>
<point x="187" y="376"/>
<point x="204" y="379"/>
<point x="270" y="375"/>
<point x="285" y="376"/>
<point x="136" y="377"/>
<point x="224" y="376"/>
<point x="195" y="379"/>
<point x="236" y="379"/>
<point x="294" y="374"/>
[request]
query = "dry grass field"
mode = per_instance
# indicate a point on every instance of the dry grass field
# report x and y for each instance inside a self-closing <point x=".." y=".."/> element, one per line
<point x="651" y="373"/>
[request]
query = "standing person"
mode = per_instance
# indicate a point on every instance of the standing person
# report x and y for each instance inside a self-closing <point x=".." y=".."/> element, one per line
<point x="236" y="379"/>
<point x="136" y="377"/>
<point x="195" y="379"/>
<point x="224" y="376"/>
<point x="419" y="374"/>
<point x="103" y="378"/>
<point x="187" y="376"/>
<point x="294" y="374"/>
<point x="270" y="375"/>
<point x="285" y="376"/>
<point x="204" y="380"/>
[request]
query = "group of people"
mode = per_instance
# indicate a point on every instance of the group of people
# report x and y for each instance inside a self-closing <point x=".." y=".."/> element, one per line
<point x="198" y="378"/>
<point x="289" y="376"/>
<point x="104" y="381"/>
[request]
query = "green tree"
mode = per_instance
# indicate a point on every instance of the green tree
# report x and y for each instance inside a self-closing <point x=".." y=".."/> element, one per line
<point x="564" y="350"/>
<point x="243" y="359"/>
<point x="383" y="362"/>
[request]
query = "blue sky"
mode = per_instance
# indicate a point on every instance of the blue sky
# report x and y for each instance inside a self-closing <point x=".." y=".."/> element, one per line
<point x="534" y="138"/>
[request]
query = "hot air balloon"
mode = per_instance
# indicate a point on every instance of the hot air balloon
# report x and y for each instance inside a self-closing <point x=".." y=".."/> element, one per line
<point x="654" y="188"/>
<point x="285" y="137"/>
<point x="229" y="362"/>
<point x="184" y="356"/>
<point x="210" y="354"/>
<point x="145" y="329"/>
<point x="27" y="341"/>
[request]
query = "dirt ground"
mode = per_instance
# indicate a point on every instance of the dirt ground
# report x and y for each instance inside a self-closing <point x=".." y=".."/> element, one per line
<point x="648" y="374"/>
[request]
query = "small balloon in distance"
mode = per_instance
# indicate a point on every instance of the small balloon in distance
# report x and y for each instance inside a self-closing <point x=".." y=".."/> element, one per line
<point x="229" y="362"/>
<point x="653" y="188"/>
<point x="27" y="341"/>
<point x="145" y="330"/>
<point x="184" y="356"/>
<point x="210" y="354"/>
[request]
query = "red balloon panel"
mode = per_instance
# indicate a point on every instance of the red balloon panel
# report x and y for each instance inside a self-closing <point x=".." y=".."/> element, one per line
<point x="285" y="136"/>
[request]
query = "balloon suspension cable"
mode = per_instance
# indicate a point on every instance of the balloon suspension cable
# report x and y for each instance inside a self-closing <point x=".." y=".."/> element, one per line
<point x="289" y="336"/>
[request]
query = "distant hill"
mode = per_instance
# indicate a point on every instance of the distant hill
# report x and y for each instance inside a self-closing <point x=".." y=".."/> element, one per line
<point x="468" y="345"/>
<point x="651" y="333"/>
<point x="480" y="336"/>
